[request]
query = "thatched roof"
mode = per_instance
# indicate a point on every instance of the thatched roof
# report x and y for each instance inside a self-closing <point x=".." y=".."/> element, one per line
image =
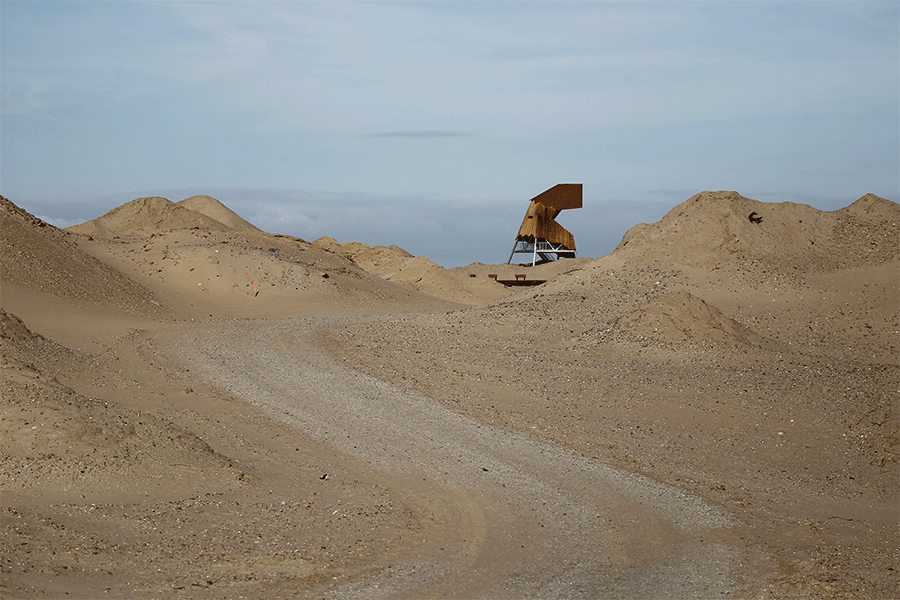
<point x="539" y="222"/>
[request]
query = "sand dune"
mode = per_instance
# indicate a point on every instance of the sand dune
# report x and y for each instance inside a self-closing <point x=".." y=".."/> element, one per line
<point x="743" y="352"/>
<point x="211" y="263"/>
<point x="674" y="317"/>
<point x="721" y="228"/>
<point x="212" y="208"/>
<point x="145" y="217"/>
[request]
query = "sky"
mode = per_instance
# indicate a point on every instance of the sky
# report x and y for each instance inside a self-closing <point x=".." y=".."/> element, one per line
<point x="430" y="125"/>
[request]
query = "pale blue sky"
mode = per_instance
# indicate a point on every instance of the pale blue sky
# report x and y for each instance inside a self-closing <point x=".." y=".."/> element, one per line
<point x="430" y="125"/>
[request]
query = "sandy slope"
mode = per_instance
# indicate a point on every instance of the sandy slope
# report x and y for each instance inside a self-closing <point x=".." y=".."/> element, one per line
<point x="103" y="498"/>
<point x="39" y="257"/>
<point x="751" y="364"/>
<point x="212" y="208"/>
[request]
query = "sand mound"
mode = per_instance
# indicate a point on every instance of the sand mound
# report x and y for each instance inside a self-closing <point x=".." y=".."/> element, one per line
<point x="866" y="233"/>
<point x="329" y="243"/>
<point x="374" y="259"/>
<point x="149" y="216"/>
<point x="217" y="265"/>
<point x="64" y="446"/>
<point x="675" y="317"/>
<point x="214" y="209"/>
<point x="396" y="265"/>
<point x="38" y="256"/>
<point x="146" y="216"/>
<point x="420" y="274"/>
<point x="720" y="228"/>
<point x="874" y="208"/>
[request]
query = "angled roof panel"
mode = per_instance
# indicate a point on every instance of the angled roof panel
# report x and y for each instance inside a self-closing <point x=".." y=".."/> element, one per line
<point x="561" y="196"/>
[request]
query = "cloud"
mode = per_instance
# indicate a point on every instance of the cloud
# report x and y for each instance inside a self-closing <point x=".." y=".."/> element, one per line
<point x="624" y="97"/>
<point x="23" y="97"/>
<point x="421" y="134"/>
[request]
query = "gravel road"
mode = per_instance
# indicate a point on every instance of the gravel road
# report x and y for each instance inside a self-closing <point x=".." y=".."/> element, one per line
<point x="523" y="518"/>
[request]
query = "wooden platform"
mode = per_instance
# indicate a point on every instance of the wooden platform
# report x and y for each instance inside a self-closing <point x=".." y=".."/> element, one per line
<point x="520" y="279"/>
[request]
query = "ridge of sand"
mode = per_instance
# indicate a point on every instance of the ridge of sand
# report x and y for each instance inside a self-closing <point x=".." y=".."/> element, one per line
<point x="374" y="259"/>
<point x="872" y="207"/>
<point x="152" y="215"/>
<point x="143" y="217"/>
<point x="209" y="206"/>
<point x="205" y="268"/>
<point x="712" y="229"/>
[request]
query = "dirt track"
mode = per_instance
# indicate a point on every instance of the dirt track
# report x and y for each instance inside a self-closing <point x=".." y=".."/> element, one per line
<point x="522" y="518"/>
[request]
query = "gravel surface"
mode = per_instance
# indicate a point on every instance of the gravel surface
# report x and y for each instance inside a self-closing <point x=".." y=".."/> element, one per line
<point x="532" y="520"/>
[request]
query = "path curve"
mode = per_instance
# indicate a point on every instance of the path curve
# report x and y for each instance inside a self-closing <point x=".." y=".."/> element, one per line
<point x="525" y="519"/>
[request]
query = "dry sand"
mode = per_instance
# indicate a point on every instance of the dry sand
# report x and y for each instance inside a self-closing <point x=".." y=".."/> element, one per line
<point x="194" y="407"/>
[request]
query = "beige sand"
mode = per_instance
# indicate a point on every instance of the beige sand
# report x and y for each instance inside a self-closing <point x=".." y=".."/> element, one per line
<point x="194" y="407"/>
